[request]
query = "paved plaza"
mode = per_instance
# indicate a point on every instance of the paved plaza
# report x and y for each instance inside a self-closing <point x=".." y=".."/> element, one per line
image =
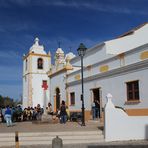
<point x="34" y="135"/>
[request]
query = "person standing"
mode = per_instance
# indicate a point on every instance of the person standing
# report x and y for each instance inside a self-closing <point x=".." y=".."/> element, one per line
<point x="8" y="116"/>
<point x="97" y="107"/>
<point x="93" y="110"/>
<point x="63" y="114"/>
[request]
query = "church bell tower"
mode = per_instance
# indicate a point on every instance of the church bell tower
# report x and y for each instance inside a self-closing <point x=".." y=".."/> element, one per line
<point x="36" y="64"/>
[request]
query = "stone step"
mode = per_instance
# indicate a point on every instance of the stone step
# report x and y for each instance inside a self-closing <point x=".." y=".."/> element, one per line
<point x="8" y="139"/>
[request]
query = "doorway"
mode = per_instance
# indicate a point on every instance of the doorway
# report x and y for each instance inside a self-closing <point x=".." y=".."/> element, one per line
<point x="57" y="99"/>
<point x="96" y="100"/>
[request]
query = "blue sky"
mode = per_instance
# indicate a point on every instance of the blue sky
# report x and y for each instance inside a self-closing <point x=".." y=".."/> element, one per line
<point x="67" y="21"/>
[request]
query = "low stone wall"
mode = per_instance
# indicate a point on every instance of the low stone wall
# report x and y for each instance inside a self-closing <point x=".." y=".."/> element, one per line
<point x="119" y="126"/>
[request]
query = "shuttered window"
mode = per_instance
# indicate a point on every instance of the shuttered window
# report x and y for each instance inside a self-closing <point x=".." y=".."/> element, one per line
<point x="132" y="90"/>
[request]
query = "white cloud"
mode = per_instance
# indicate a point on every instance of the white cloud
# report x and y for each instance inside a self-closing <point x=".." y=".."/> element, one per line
<point x="104" y="7"/>
<point x="80" y="4"/>
<point x="98" y="7"/>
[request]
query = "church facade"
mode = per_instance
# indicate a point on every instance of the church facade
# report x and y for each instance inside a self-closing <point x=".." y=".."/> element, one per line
<point x="118" y="66"/>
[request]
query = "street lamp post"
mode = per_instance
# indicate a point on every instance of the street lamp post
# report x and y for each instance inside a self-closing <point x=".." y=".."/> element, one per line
<point x="81" y="51"/>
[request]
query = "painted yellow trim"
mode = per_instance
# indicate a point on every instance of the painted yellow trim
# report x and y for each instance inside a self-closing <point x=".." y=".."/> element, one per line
<point x="121" y="56"/>
<point x="69" y="67"/>
<point x="54" y="103"/>
<point x="144" y="55"/>
<point x="77" y="77"/>
<point x="89" y="67"/>
<point x="104" y="68"/>
<point x="65" y="68"/>
<point x="36" y="54"/>
<point x="30" y="83"/>
<point x="34" y="73"/>
<point x="122" y="59"/>
<point x="137" y="112"/>
<point x="67" y="98"/>
<point x="50" y="74"/>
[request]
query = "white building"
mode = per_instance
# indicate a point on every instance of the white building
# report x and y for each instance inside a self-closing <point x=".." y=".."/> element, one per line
<point x="36" y="64"/>
<point x="118" y="66"/>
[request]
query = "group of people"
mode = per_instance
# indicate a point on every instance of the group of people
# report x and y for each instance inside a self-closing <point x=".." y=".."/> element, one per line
<point x="10" y="114"/>
<point x="61" y="113"/>
<point x="14" y="114"/>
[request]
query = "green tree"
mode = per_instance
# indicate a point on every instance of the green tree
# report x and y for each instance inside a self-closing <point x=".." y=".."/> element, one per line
<point x="1" y="101"/>
<point x="4" y="101"/>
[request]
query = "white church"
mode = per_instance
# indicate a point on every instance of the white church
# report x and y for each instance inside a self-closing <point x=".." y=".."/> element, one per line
<point x="118" y="66"/>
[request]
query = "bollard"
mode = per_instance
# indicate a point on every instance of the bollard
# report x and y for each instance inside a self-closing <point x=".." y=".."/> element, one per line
<point x="57" y="142"/>
<point x="16" y="140"/>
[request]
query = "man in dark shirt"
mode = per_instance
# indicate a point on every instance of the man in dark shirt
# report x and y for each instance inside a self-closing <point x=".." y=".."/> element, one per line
<point x="97" y="106"/>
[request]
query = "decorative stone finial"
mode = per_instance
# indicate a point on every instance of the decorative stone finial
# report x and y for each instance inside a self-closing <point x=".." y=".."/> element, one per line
<point x="36" y="41"/>
<point x="109" y="96"/>
<point x="49" y="53"/>
<point x="109" y="101"/>
<point x="67" y="59"/>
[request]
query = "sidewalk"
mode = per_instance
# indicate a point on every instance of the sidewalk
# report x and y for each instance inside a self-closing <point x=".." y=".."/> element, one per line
<point x="41" y="135"/>
<point x="70" y="131"/>
<point x="48" y="127"/>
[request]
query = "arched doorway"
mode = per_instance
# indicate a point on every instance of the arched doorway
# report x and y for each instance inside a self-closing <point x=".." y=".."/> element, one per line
<point x="57" y="99"/>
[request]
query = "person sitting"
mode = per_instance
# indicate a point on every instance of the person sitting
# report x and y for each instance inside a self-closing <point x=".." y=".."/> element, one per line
<point x="49" y="109"/>
<point x="29" y="115"/>
<point x="39" y="112"/>
<point x="25" y="114"/>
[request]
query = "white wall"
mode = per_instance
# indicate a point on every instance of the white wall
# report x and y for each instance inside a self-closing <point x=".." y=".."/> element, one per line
<point x="120" y="126"/>
<point x="37" y="90"/>
<point x="123" y="44"/>
<point x="58" y="81"/>
<point x="114" y="80"/>
<point x="78" y="103"/>
<point x="46" y="64"/>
